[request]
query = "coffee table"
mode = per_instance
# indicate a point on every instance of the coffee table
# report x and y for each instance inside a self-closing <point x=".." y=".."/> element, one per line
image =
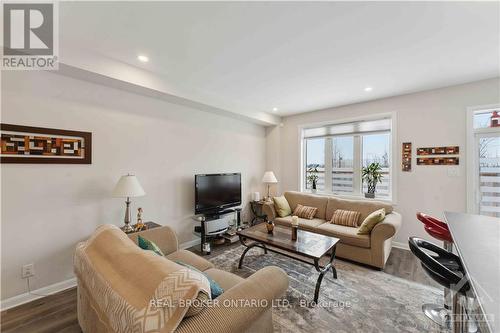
<point x="308" y="244"/>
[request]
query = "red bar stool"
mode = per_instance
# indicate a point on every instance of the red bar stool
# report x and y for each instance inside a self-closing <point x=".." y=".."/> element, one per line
<point x="439" y="230"/>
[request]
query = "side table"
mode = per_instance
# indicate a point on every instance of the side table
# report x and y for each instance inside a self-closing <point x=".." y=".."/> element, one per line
<point x="258" y="214"/>
<point x="149" y="225"/>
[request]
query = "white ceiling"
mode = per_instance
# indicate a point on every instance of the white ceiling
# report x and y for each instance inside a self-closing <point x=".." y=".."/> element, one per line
<point x="295" y="56"/>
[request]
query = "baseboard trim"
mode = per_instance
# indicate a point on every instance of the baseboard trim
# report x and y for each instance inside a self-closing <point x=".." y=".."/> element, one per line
<point x="187" y="245"/>
<point x="402" y="246"/>
<point x="29" y="297"/>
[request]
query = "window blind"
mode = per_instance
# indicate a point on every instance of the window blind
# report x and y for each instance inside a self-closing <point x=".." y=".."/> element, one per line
<point x="358" y="127"/>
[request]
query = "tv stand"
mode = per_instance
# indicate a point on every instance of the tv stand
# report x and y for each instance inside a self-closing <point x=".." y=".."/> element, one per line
<point x="213" y="225"/>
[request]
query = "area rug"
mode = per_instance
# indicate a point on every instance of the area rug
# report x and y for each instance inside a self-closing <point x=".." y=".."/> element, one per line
<point x="360" y="300"/>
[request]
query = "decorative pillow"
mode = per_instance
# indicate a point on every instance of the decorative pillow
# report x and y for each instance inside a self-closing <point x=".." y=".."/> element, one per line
<point x="215" y="289"/>
<point x="146" y="244"/>
<point x="346" y="217"/>
<point x="282" y="207"/>
<point x="371" y="221"/>
<point x="305" y="212"/>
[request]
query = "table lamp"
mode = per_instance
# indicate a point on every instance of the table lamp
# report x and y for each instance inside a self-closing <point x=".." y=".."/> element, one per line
<point x="269" y="178"/>
<point x="128" y="187"/>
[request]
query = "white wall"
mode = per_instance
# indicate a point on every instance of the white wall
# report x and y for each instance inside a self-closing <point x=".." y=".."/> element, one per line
<point x="47" y="209"/>
<point x="431" y="118"/>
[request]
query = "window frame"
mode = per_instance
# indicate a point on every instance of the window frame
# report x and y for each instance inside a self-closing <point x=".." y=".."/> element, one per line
<point x="472" y="165"/>
<point x="394" y="157"/>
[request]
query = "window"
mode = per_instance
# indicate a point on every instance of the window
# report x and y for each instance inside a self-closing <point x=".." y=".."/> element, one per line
<point x="315" y="157"/>
<point x="484" y="173"/>
<point x="341" y="150"/>
<point x="342" y="164"/>
<point x="376" y="148"/>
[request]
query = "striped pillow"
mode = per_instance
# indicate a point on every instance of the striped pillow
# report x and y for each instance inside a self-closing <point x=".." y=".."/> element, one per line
<point x="346" y="217"/>
<point x="305" y="212"/>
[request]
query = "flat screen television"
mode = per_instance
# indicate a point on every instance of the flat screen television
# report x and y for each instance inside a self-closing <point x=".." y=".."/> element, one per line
<point x="216" y="192"/>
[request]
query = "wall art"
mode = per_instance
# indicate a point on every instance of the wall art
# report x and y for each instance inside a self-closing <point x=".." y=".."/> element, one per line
<point x="454" y="150"/>
<point x="27" y="144"/>
<point x="406" y="157"/>
<point x="437" y="161"/>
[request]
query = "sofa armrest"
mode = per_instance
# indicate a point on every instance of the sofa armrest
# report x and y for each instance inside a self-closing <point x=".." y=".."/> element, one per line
<point x="238" y="307"/>
<point x="188" y="257"/>
<point x="164" y="237"/>
<point x="381" y="239"/>
<point x="268" y="209"/>
<point x="387" y="228"/>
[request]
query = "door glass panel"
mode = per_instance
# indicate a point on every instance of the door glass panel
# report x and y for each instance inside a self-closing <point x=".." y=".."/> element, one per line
<point x="486" y="119"/>
<point x="489" y="175"/>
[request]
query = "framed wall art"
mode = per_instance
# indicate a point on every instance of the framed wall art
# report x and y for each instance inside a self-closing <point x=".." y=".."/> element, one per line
<point x="454" y="150"/>
<point x="406" y="157"/>
<point x="27" y="144"/>
<point x="437" y="161"/>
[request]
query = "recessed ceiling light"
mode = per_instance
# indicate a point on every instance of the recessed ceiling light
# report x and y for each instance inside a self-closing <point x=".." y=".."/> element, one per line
<point x="368" y="89"/>
<point x="275" y="109"/>
<point x="142" y="58"/>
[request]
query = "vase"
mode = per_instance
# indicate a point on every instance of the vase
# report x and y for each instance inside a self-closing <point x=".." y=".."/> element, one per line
<point x="270" y="227"/>
<point x="369" y="195"/>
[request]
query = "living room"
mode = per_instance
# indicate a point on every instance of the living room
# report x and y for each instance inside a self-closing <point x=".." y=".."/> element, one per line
<point x="221" y="122"/>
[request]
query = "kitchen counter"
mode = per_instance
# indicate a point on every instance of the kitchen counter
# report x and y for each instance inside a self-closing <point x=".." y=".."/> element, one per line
<point x="477" y="241"/>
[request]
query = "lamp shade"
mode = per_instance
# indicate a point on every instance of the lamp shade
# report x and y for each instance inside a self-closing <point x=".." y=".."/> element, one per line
<point x="128" y="186"/>
<point x="269" y="178"/>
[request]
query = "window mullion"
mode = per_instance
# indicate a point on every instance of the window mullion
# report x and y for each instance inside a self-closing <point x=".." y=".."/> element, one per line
<point x="328" y="164"/>
<point x="357" y="162"/>
<point x="304" y="165"/>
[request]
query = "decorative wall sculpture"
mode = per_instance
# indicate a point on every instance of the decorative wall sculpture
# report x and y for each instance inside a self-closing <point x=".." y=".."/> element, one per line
<point x="27" y="144"/>
<point x="455" y="150"/>
<point x="437" y="161"/>
<point x="406" y="157"/>
<point x="441" y="160"/>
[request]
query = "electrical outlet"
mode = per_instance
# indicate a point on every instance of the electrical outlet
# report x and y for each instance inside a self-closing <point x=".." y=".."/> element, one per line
<point x="28" y="271"/>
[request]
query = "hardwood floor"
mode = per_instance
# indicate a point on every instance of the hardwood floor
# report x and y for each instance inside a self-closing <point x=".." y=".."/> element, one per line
<point x="57" y="313"/>
<point x="404" y="264"/>
<point x="54" y="313"/>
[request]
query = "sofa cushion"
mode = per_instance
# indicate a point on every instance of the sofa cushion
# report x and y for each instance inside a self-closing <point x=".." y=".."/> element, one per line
<point x="190" y="258"/>
<point x="282" y="207"/>
<point x="146" y="244"/>
<point x="347" y="235"/>
<point x="305" y="212"/>
<point x="225" y="279"/>
<point x="348" y="218"/>
<point x="306" y="199"/>
<point x="365" y="207"/>
<point x="303" y="223"/>
<point x="371" y="221"/>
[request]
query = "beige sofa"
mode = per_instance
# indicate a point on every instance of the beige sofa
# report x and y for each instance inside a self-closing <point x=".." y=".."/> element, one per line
<point x="373" y="249"/>
<point x="267" y="284"/>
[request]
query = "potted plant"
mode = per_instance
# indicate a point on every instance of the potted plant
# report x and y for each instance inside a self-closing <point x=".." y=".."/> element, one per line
<point x="372" y="175"/>
<point x="312" y="176"/>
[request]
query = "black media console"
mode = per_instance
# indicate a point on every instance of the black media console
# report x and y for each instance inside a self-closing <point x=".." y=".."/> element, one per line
<point x="213" y="225"/>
